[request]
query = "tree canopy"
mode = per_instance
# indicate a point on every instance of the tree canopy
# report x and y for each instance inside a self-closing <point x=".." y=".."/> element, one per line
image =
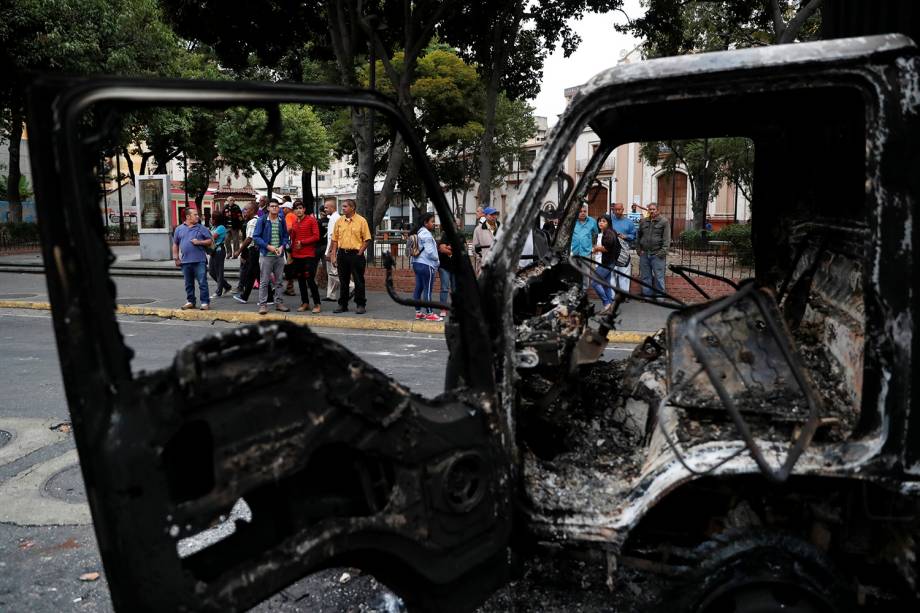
<point x="248" y="142"/>
<point x="678" y="27"/>
<point x="74" y="37"/>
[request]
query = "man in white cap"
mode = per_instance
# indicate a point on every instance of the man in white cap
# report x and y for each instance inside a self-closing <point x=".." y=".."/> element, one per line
<point x="484" y="236"/>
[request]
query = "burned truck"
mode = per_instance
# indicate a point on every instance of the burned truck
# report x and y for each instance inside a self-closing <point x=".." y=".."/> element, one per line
<point x="760" y="452"/>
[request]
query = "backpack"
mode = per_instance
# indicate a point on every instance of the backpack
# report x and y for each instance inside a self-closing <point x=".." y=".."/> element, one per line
<point x="413" y="246"/>
<point x="623" y="258"/>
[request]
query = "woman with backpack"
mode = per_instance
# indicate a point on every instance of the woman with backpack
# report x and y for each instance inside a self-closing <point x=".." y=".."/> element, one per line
<point x="605" y="252"/>
<point x="423" y="252"/>
<point x="218" y="255"/>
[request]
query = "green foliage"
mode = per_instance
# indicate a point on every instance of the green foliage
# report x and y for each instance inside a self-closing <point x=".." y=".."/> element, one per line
<point x="692" y="239"/>
<point x="86" y="36"/>
<point x="678" y="27"/>
<point x="25" y="190"/>
<point x="739" y="235"/>
<point x="22" y="232"/>
<point x="246" y="142"/>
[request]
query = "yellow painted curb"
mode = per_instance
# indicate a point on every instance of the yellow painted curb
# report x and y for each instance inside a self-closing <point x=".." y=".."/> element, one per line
<point x="22" y="304"/>
<point x="319" y="321"/>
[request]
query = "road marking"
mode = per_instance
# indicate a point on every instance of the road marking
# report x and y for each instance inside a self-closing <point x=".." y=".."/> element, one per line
<point x="24" y="504"/>
<point x="28" y="435"/>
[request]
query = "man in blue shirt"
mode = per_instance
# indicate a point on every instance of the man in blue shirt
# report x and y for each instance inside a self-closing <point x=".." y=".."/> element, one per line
<point x="584" y="233"/>
<point x="626" y="230"/>
<point x="189" y="242"/>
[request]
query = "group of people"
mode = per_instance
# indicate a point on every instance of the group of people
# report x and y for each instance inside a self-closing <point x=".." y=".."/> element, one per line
<point x="608" y="240"/>
<point x="282" y="242"/>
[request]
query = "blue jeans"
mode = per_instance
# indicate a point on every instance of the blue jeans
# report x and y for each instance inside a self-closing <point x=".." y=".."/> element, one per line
<point x="651" y="271"/>
<point x="605" y="293"/>
<point x="447" y="283"/>
<point x="196" y="271"/>
<point x="424" y="283"/>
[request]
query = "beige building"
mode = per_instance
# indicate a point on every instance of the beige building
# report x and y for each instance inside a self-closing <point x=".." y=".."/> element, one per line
<point x="626" y="178"/>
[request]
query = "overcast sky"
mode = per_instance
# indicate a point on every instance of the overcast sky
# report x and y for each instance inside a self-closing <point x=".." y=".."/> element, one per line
<point x="600" y="48"/>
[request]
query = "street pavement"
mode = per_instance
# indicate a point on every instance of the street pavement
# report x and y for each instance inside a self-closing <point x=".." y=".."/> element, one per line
<point x="166" y="291"/>
<point x="48" y="555"/>
<point x="46" y="538"/>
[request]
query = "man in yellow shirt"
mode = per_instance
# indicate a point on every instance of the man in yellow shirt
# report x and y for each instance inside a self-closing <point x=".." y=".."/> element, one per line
<point x="349" y="242"/>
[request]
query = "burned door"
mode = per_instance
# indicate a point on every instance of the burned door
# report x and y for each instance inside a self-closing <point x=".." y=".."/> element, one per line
<point x="306" y="455"/>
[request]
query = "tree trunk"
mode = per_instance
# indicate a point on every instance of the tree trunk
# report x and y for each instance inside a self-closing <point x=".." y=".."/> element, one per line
<point x="365" y="163"/>
<point x="502" y="37"/>
<point x="700" y="200"/>
<point x="394" y="163"/>
<point x="306" y="181"/>
<point x="487" y="141"/>
<point x="130" y="164"/>
<point x="15" y="173"/>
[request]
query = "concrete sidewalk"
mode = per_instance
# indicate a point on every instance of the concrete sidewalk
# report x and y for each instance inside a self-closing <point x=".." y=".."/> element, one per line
<point x="22" y="286"/>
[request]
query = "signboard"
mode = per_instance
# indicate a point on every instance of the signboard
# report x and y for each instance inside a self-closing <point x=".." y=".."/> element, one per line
<point x="152" y="192"/>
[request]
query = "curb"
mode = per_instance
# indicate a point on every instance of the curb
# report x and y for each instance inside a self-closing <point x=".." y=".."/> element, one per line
<point x="320" y="321"/>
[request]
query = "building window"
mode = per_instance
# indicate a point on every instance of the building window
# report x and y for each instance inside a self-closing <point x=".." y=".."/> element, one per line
<point x="529" y="156"/>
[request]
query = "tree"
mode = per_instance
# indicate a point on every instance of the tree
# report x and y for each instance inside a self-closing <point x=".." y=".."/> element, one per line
<point x="508" y="40"/>
<point x="75" y="37"/>
<point x="709" y="162"/>
<point x="248" y="143"/>
<point x="678" y="27"/>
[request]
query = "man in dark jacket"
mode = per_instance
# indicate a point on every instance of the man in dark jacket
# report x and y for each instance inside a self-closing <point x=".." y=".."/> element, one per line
<point x="653" y="242"/>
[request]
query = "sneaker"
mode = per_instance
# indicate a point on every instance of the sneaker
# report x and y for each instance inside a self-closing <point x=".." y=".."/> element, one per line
<point x="263" y="309"/>
<point x="205" y="307"/>
<point x="282" y="307"/>
<point x="303" y="307"/>
<point x="433" y="317"/>
<point x="341" y="310"/>
<point x="443" y="313"/>
<point x="360" y="310"/>
<point x="188" y="305"/>
<point x="316" y="309"/>
<point x="239" y="298"/>
<point x="419" y="315"/>
<point x="215" y="296"/>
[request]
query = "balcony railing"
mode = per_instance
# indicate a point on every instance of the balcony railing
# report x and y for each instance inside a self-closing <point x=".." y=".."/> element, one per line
<point x="608" y="165"/>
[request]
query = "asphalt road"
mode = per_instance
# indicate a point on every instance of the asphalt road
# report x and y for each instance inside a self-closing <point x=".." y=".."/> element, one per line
<point x="46" y="539"/>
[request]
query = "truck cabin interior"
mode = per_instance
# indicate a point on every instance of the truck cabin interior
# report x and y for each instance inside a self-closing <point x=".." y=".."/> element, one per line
<point x="811" y="237"/>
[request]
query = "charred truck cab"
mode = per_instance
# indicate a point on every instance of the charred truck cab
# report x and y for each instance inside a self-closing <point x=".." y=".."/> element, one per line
<point x="770" y="428"/>
<point x="759" y="451"/>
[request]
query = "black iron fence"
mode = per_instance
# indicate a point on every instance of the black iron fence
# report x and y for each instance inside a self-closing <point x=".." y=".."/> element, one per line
<point x="113" y="233"/>
<point x="18" y="236"/>
<point x="718" y="257"/>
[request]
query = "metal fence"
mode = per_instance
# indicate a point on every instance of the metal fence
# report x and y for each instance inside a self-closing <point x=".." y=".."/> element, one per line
<point x="715" y="256"/>
<point x="9" y="244"/>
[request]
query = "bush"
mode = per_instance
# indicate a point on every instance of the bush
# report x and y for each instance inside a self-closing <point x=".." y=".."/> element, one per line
<point x="739" y="235"/>
<point x="692" y="239"/>
<point x="23" y="232"/>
